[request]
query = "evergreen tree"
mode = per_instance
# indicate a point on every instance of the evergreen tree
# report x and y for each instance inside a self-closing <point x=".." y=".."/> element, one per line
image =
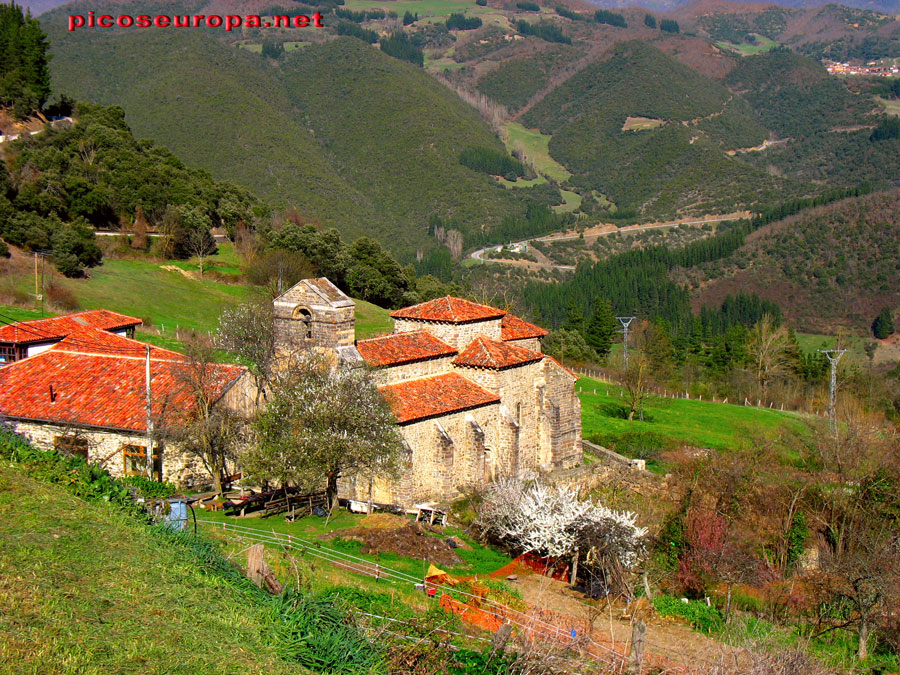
<point x="601" y="327"/>
<point x="883" y="325"/>
<point x="24" y="74"/>
<point x="574" y="316"/>
<point x="650" y="21"/>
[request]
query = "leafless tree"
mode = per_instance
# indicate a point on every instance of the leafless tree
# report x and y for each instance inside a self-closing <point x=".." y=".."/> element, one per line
<point x="768" y="346"/>
<point x="636" y="379"/>
<point x="195" y="422"/>
<point x="248" y="332"/>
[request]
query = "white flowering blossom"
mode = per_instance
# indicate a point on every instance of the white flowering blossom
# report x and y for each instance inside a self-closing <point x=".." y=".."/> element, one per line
<point x="553" y="521"/>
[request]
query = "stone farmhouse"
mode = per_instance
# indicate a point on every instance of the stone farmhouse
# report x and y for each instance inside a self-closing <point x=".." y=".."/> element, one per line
<point x="78" y="384"/>
<point x="474" y="396"/>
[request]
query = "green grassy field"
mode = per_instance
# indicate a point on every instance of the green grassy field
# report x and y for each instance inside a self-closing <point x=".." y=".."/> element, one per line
<point x="480" y="560"/>
<point x="168" y="300"/>
<point x="134" y="604"/>
<point x="762" y="44"/>
<point x="676" y="421"/>
<point x="891" y="107"/>
<point x="536" y="148"/>
<point x="571" y="202"/>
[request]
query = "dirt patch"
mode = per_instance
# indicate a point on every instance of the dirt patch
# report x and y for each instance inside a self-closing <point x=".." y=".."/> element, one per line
<point x="175" y="268"/>
<point x="383" y="533"/>
<point x="641" y="123"/>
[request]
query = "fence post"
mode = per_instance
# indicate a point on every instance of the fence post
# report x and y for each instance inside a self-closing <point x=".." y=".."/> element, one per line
<point x="638" y="636"/>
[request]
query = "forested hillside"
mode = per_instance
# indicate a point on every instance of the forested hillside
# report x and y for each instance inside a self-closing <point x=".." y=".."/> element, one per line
<point x="834" y="265"/>
<point x="349" y="136"/>
<point x="677" y="159"/>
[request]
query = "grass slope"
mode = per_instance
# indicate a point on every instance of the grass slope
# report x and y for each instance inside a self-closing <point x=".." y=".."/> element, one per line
<point x="702" y="424"/>
<point x="135" y="605"/>
<point x="169" y="300"/>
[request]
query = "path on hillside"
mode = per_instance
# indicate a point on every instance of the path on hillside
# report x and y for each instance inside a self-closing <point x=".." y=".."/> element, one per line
<point x="595" y="232"/>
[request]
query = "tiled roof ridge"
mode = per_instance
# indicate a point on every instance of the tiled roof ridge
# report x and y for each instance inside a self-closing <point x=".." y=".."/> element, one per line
<point x="485" y="352"/>
<point x="449" y="309"/>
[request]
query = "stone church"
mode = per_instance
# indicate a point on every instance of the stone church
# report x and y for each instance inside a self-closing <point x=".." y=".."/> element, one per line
<point x="474" y="396"/>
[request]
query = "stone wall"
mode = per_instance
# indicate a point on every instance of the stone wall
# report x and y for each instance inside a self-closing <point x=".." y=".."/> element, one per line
<point x="304" y="319"/>
<point x="562" y="416"/>
<point x="412" y="371"/>
<point x="447" y="453"/>
<point x="106" y="449"/>
<point x="457" y="335"/>
<point x="534" y="344"/>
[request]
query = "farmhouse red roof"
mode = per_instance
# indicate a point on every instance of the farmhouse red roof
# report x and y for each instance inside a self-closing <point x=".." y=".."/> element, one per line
<point x="95" y="378"/>
<point x="434" y="396"/>
<point x="484" y="352"/>
<point x="398" y="348"/>
<point x="56" y="328"/>
<point x="514" y="328"/>
<point x="449" y="310"/>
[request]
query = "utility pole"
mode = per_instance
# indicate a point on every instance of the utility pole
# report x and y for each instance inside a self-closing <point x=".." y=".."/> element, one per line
<point x="37" y="294"/>
<point x="833" y="356"/>
<point x="149" y="419"/>
<point x="626" y="322"/>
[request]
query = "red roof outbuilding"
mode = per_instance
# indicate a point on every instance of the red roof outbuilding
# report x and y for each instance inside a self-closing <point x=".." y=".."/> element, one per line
<point x="98" y="379"/>
<point x="58" y="327"/>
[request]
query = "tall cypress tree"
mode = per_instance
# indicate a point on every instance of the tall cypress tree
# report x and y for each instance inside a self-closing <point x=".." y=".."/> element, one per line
<point x="883" y="325"/>
<point x="24" y="73"/>
<point x="601" y="327"/>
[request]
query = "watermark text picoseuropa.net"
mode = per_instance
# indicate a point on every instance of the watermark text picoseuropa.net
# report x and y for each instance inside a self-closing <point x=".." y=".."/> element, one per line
<point x="228" y="21"/>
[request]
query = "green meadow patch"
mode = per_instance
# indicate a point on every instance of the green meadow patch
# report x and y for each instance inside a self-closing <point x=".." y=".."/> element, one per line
<point x="675" y="422"/>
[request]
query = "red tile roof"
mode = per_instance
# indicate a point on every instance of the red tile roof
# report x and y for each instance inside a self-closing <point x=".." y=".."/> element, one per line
<point x="98" y="379"/>
<point x="398" y="348"/>
<point x="484" y="352"/>
<point x="56" y="328"/>
<point x="420" y="399"/>
<point x="514" y="328"/>
<point x="449" y="310"/>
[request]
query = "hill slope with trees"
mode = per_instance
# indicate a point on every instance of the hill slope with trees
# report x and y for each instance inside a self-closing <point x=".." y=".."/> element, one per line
<point x="834" y="265"/>
<point x="273" y="130"/>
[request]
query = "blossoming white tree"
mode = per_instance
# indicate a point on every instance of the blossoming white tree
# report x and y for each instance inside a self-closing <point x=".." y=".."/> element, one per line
<point x="552" y="521"/>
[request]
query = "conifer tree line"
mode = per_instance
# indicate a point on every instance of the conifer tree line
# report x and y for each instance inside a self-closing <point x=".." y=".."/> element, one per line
<point x="24" y="57"/>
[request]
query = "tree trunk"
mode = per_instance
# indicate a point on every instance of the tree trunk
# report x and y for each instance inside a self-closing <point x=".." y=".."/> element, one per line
<point x="863" y="652"/>
<point x="728" y="604"/>
<point x="332" y="490"/>
<point x="218" y="482"/>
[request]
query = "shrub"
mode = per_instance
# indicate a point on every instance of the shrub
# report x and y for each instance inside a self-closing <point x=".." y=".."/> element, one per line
<point x="68" y="265"/>
<point x="272" y="49"/>
<point x="610" y="18"/>
<point x="481" y="3"/>
<point x="4" y="249"/>
<point x="462" y="22"/>
<point x="706" y="619"/>
<point x="528" y="6"/>
<point x="149" y="489"/>
<point x="410" y="18"/>
<point x="569" y="14"/>
<point x="62" y="297"/>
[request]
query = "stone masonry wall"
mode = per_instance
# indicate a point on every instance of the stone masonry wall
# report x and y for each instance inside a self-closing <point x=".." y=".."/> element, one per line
<point x="105" y="448"/>
<point x="412" y="371"/>
<point x="457" y="335"/>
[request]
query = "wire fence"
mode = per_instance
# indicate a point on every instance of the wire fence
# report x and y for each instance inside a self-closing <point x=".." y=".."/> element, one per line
<point x="533" y="627"/>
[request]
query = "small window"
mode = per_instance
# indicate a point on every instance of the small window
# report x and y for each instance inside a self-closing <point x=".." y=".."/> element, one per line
<point x="71" y="445"/>
<point x="7" y="353"/>
<point x="135" y="460"/>
<point x="304" y="315"/>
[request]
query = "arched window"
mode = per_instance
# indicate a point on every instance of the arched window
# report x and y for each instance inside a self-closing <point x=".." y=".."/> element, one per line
<point x="302" y="314"/>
